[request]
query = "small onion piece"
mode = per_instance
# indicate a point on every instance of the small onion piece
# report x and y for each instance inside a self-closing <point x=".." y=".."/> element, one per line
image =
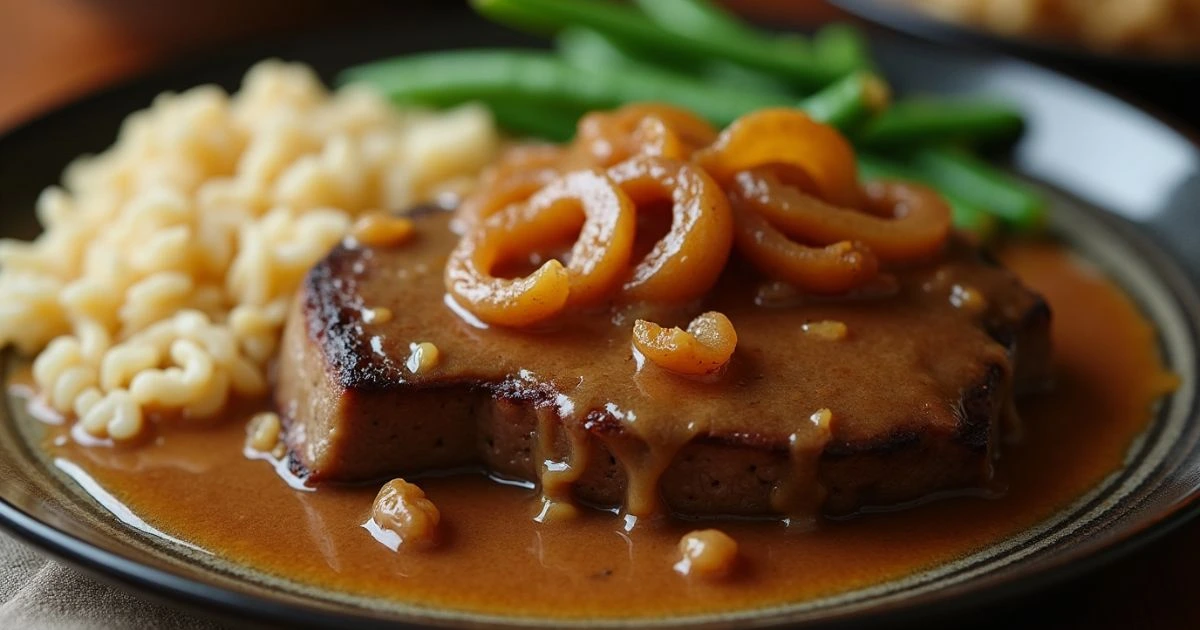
<point x="404" y="510"/>
<point x="380" y="229"/>
<point x="828" y="270"/>
<point x="707" y="553"/>
<point x="906" y="222"/>
<point x="704" y="348"/>
<point x="784" y="137"/>
<point x="598" y="258"/>
<point x="656" y="129"/>
<point x="686" y="262"/>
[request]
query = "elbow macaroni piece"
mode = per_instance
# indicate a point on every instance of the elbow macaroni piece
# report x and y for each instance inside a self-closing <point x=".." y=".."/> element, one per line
<point x="160" y="284"/>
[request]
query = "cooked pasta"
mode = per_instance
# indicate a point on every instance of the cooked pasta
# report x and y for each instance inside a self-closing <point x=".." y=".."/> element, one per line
<point x="160" y="284"/>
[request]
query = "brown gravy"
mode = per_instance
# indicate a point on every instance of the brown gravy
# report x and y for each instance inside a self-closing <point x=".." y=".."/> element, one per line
<point x="199" y="487"/>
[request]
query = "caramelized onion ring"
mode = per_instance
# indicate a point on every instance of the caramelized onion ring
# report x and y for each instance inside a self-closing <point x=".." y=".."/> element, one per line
<point x="607" y="138"/>
<point x="655" y="137"/>
<point x="704" y="348"/>
<point x="516" y="175"/>
<point x="921" y="217"/>
<point x="785" y="137"/>
<point x="907" y="221"/>
<point x="529" y="157"/>
<point x="597" y="260"/>
<point x="833" y="269"/>
<point x="685" y="263"/>
<point x="494" y="197"/>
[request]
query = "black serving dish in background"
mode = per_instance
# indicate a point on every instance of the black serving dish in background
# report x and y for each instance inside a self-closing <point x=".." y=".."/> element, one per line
<point x="1171" y="85"/>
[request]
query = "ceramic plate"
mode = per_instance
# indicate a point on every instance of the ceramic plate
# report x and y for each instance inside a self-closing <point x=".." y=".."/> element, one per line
<point x="1126" y="184"/>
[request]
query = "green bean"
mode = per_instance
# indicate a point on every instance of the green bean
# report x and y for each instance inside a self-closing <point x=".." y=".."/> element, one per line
<point x="703" y="19"/>
<point x="841" y="104"/>
<point x="840" y="44"/>
<point x="697" y="17"/>
<point x="450" y="77"/>
<point x="503" y="78"/>
<point x="587" y="49"/>
<point x="578" y="43"/>
<point x="845" y="44"/>
<point x="736" y="77"/>
<point x="927" y="121"/>
<point x="626" y="24"/>
<point x="520" y="17"/>
<point x="538" y="120"/>
<point x="967" y="216"/>
<point x="966" y="176"/>
<point x="848" y="101"/>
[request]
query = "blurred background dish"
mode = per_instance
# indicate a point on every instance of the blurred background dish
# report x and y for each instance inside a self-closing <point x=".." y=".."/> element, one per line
<point x="1147" y="50"/>
<point x="1154" y="32"/>
<point x="1154" y="29"/>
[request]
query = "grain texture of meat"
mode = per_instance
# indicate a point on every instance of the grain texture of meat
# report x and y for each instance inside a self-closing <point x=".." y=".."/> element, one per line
<point x="917" y="392"/>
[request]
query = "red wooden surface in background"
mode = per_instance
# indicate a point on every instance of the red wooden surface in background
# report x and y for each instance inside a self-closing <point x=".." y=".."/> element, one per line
<point x="52" y="51"/>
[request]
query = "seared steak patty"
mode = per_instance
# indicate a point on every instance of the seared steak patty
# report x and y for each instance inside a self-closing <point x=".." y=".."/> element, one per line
<point x="916" y="392"/>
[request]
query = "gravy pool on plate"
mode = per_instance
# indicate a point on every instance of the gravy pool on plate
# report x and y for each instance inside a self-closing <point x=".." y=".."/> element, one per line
<point x="198" y="486"/>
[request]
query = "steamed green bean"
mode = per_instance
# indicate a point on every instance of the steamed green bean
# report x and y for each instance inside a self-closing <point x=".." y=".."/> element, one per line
<point x="967" y="216"/>
<point x="450" y="77"/>
<point x="956" y="172"/>
<point x="926" y="121"/>
<point x="627" y="24"/>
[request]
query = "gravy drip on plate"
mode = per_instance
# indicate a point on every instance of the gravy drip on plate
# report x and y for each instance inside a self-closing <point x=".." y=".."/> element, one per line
<point x="200" y="488"/>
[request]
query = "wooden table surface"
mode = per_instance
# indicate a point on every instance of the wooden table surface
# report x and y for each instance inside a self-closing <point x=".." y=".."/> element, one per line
<point x="53" y="51"/>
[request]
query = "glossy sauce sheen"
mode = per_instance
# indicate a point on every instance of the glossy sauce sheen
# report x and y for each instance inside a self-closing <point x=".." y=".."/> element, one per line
<point x="198" y="486"/>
